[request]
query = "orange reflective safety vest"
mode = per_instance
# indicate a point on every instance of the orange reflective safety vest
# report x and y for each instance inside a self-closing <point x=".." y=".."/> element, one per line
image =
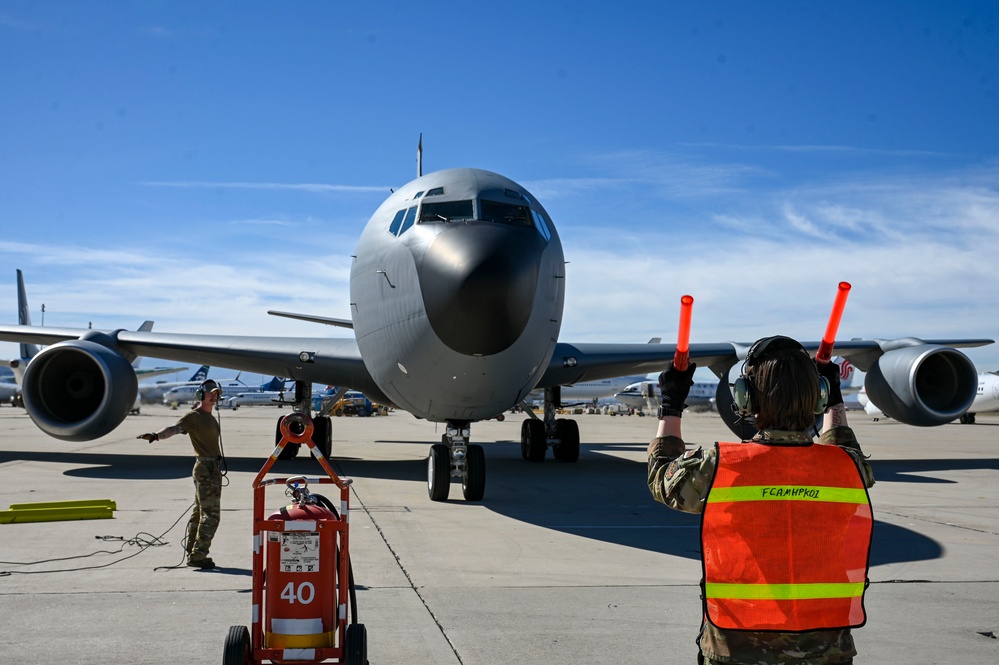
<point x="785" y="539"/>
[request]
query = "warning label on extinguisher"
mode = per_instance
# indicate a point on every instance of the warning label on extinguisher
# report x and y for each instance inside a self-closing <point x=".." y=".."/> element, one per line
<point x="299" y="552"/>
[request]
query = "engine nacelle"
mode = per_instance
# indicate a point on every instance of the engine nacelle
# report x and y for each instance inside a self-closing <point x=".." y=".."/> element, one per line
<point x="923" y="385"/>
<point x="79" y="390"/>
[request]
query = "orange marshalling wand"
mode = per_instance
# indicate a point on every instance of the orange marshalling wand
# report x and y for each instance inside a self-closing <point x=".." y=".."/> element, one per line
<point x="824" y="354"/>
<point x="682" y="355"/>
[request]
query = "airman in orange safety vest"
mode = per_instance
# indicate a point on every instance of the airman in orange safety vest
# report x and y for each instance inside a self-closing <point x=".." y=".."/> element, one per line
<point x="786" y="522"/>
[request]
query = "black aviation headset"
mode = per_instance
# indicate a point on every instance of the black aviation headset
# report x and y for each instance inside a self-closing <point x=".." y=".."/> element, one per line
<point x="743" y="389"/>
<point x="207" y="387"/>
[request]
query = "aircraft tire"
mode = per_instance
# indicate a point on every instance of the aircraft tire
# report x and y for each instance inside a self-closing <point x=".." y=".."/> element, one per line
<point x="355" y="645"/>
<point x="290" y="450"/>
<point x="968" y="419"/>
<point x="322" y="435"/>
<point x="524" y="438"/>
<point x="439" y="472"/>
<point x="568" y="432"/>
<point x="535" y="443"/>
<point x="237" y="647"/>
<point x="473" y="481"/>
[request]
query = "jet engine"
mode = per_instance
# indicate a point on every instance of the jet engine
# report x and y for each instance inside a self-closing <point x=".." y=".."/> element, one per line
<point x="79" y="390"/>
<point x="923" y="384"/>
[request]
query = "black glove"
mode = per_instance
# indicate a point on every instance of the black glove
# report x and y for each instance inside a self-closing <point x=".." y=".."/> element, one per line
<point x="830" y="371"/>
<point x="674" y="386"/>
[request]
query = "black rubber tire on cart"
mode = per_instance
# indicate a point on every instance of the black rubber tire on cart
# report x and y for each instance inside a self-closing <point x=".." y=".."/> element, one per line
<point x="355" y="645"/>
<point x="237" y="647"/>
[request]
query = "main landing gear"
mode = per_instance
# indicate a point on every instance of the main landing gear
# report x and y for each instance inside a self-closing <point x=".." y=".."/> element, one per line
<point x="322" y="424"/>
<point x="562" y="434"/>
<point x="455" y="457"/>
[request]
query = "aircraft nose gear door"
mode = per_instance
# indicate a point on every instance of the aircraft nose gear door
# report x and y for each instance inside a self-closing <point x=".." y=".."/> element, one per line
<point x="455" y="457"/>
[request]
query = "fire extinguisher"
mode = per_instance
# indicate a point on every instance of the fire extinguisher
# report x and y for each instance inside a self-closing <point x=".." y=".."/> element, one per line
<point x="302" y="562"/>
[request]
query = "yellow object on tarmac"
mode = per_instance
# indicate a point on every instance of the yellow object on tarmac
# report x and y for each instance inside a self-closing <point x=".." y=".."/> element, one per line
<point x="58" y="511"/>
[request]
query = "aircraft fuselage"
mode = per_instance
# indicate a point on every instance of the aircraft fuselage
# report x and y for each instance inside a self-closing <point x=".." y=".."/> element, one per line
<point x="456" y="292"/>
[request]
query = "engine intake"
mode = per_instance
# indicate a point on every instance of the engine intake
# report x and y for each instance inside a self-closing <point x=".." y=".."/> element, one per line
<point x="923" y="385"/>
<point x="79" y="390"/>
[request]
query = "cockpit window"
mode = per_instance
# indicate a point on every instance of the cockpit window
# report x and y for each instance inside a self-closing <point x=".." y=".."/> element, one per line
<point x="446" y="211"/>
<point x="505" y="213"/>
<point x="408" y="222"/>
<point x="436" y="191"/>
<point x="541" y="225"/>
<point x="396" y="222"/>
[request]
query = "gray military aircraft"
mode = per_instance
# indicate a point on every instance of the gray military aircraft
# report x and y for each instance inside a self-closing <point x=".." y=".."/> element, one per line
<point x="456" y="296"/>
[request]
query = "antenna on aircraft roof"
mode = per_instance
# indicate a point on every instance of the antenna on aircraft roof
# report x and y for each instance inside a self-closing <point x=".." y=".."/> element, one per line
<point x="419" y="157"/>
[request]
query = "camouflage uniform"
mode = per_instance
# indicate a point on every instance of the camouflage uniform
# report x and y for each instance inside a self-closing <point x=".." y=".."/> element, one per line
<point x="681" y="478"/>
<point x="204" y="432"/>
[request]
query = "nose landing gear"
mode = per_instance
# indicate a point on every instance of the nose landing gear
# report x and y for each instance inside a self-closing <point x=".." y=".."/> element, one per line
<point x="455" y="457"/>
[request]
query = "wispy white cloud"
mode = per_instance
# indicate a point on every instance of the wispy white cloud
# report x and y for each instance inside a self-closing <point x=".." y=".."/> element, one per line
<point x="267" y="186"/>
<point x="8" y="21"/>
<point x="918" y="250"/>
<point x="666" y="175"/>
<point x="817" y="149"/>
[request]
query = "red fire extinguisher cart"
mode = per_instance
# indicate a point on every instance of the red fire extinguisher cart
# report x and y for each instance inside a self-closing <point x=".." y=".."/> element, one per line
<point x="303" y="586"/>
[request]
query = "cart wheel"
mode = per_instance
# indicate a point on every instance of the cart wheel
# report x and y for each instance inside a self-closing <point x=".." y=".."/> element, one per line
<point x="237" y="646"/>
<point x="355" y="645"/>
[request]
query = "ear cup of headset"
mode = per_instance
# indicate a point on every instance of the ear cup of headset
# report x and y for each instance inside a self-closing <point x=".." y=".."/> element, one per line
<point x="210" y="384"/>
<point x="820" y="407"/>
<point x="742" y="396"/>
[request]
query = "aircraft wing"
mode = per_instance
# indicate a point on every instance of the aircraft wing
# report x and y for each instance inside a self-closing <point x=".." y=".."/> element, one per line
<point x="572" y="363"/>
<point x="314" y="359"/>
<point x="157" y="371"/>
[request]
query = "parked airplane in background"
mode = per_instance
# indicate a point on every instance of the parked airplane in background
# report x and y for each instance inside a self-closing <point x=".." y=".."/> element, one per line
<point x="986" y="400"/>
<point x="259" y="398"/>
<point x="186" y="393"/>
<point x="644" y="395"/>
<point x="10" y="393"/>
<point x="152" y="393"/>
<point x="590" y="391"/>
<point x="456" y="295"/>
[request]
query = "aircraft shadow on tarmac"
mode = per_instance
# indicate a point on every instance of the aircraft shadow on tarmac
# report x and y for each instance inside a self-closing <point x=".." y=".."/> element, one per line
<point x="601" y="497"/>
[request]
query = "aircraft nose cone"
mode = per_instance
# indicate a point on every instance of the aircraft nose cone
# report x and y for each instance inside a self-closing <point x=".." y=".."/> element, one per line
<point x="478" y="283"/>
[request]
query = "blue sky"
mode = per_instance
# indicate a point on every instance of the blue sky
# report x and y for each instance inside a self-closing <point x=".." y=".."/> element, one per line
<point x="199" y="163"/>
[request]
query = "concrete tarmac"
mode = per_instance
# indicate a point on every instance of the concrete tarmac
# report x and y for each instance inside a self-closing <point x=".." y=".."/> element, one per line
<point x="559" y="563"/>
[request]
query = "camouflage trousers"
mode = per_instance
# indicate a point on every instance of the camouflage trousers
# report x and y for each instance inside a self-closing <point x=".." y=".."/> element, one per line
<point x="207" y="508"/>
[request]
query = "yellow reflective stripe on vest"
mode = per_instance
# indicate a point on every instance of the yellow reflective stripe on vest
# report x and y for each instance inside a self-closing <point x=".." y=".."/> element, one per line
<point x="784" y="591"/>
<point x="787" y="493"/>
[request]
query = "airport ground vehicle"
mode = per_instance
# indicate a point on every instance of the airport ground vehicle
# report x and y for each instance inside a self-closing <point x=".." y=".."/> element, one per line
<point x="302" y="581"/>
<point x="352" y="403"/>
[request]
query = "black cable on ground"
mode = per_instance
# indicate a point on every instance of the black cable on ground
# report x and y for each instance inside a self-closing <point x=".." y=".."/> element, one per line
<point x="138" y="540"/>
